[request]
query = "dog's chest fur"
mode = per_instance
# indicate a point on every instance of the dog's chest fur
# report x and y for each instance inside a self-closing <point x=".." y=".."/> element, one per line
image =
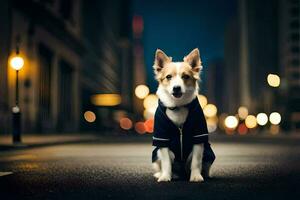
<point x="178" y="116"/>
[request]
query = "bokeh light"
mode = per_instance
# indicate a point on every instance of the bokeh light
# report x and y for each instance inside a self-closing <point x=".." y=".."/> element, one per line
<point x="141" y="91"/>
<point x="203" y="100"/>
<point x="125" y="123"/>
<point x="231" y="122"/>
<point x="149" y="125"/>
<point x="275" y="118"/>
<point x="243" y="112"/>
<point x="212" y="124"/>
<point x="242" y="129"/>
<point x="89" y="116"/>
<point x="273" y="80"/>
<point x="210" y="110"/>
<point x="106" y="99"/>
<point x="17" y="62"/>
<point x="250" y="121"/>
<point x="151" y="101"/>
<point x="140" y="127"/>
<point x="262" y="119"/>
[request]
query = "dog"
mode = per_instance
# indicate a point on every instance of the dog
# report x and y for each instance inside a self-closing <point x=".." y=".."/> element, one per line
<point x="180" y="132"/>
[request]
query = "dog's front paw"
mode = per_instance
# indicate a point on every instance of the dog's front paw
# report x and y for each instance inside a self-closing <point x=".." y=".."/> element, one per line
<point x="164" y="178"/>
<point x="196" y="176"/>
<point x="157" y="175"/>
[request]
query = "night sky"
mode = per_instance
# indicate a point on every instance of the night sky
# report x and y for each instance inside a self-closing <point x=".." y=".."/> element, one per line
<point x="177" y="27"/>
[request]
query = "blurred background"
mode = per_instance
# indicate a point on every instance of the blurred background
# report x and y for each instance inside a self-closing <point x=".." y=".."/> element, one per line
<point x="86" y="66"/>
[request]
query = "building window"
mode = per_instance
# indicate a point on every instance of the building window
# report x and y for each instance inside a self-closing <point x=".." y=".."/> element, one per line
<point x="46" y="2"/>
<point x="294" y="37"/>
<point x="295" y="62"/>
<point x="294" y="1"/>
<point x="66" y="96"/>
<point x="295" y="76"/>
<point x="294" y="24"/>
<point x="295" y="49"/>
<point x="294" y="12"/>
<point x="45" y="90"/>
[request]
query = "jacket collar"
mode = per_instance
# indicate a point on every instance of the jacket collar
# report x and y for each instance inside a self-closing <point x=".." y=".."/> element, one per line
<point x="190" y="105"/>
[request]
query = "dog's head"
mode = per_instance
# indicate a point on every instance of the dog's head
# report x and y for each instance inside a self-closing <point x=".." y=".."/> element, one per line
<point x="178" y="81"/>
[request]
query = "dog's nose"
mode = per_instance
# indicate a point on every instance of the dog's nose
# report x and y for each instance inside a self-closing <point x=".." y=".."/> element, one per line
<point x="176" y="89"/>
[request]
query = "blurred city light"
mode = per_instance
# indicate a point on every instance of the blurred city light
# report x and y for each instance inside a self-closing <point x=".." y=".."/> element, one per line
<point x="106" y="99"/>
<point x="242" y="112"/>
<point x="202" y="99"/>
<point x="149" y="125"/>
<point x="262" y="119"/>
<point x="141" y="91"/>
<point x="89" y="116"/>
<point x="16" y="109"/>
<point x="231" y="122"/>
<point x="210" y="110"/>
<point x="125" y="123"/>
<point x="250" y="121"/>
<point x="137" y="25"/>
<point x="149" y="113"/>
<point x="17" y="62"/>
<point x="151" y="101"/>
<point x="273" y="80"/>
<point x="242" y="129"/>
<point x="212" y="124"/>
<point x="275" y="118"/>
<point x="140" y="127"/>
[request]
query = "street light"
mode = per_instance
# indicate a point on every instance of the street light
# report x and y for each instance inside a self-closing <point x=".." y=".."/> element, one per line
<point x="17" y="62"/>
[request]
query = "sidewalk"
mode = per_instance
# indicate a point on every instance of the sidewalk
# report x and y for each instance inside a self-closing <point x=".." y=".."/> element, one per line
<point x="39" y="140"/>
<point x="36" y="140"/>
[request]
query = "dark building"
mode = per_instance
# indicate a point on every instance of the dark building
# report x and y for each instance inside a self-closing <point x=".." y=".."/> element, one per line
<point x="231" y="67"/>
<point x="72" y="50"/>
<point x="215" y="85"/>
<point x="289" y="59"/>
<point x="267" y="40"/>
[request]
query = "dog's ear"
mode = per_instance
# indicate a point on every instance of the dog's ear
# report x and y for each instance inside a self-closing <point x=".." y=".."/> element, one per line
<point x="160" y="60"/>
<point x="194" y="60"/>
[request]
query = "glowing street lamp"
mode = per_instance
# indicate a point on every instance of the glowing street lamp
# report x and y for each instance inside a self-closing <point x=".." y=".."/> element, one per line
<point x="17" y="62"/>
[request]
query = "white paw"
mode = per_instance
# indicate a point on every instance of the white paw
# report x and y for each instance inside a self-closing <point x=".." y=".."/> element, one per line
<point x="196" y="177"/>
<point x="164" y="178"/>
<point x="157" y="174"/>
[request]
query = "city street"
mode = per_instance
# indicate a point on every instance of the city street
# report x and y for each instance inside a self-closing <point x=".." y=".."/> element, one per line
<point x="245" y="168"/>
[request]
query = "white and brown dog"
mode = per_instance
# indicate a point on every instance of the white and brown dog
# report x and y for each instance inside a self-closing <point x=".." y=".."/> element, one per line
<point x="180" y="131"/>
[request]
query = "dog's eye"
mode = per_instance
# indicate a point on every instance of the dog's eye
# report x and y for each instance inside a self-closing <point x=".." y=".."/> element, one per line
<point x="169" y="77"/>
<point x="185" y="77"/>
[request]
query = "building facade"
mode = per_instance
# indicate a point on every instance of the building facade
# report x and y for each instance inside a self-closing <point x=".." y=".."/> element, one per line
<point x="289" y="58"/>
<point x="72" y="49"/>
<point x="264" y="39"/>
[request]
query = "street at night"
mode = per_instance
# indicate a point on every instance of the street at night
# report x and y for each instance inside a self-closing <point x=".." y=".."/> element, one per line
<point x="245" y="168"/>
<point x="92" y="92"/>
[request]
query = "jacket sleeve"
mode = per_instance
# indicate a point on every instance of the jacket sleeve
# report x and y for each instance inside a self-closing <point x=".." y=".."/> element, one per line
<point x="160" y="137"/>
<point x="201" y="133"/>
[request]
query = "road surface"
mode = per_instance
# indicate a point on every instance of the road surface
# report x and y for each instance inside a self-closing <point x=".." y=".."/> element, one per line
<point x="244" y="169"/>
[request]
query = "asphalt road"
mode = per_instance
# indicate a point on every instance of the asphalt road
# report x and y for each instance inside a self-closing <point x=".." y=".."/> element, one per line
<point x="244" y="169"/>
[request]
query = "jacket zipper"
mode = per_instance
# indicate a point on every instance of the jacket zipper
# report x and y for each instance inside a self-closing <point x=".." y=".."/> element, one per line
<point x="181" y="149"/>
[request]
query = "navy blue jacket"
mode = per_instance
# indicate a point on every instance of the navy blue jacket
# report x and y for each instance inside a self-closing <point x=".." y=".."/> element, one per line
<point x="194" y="131"/>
